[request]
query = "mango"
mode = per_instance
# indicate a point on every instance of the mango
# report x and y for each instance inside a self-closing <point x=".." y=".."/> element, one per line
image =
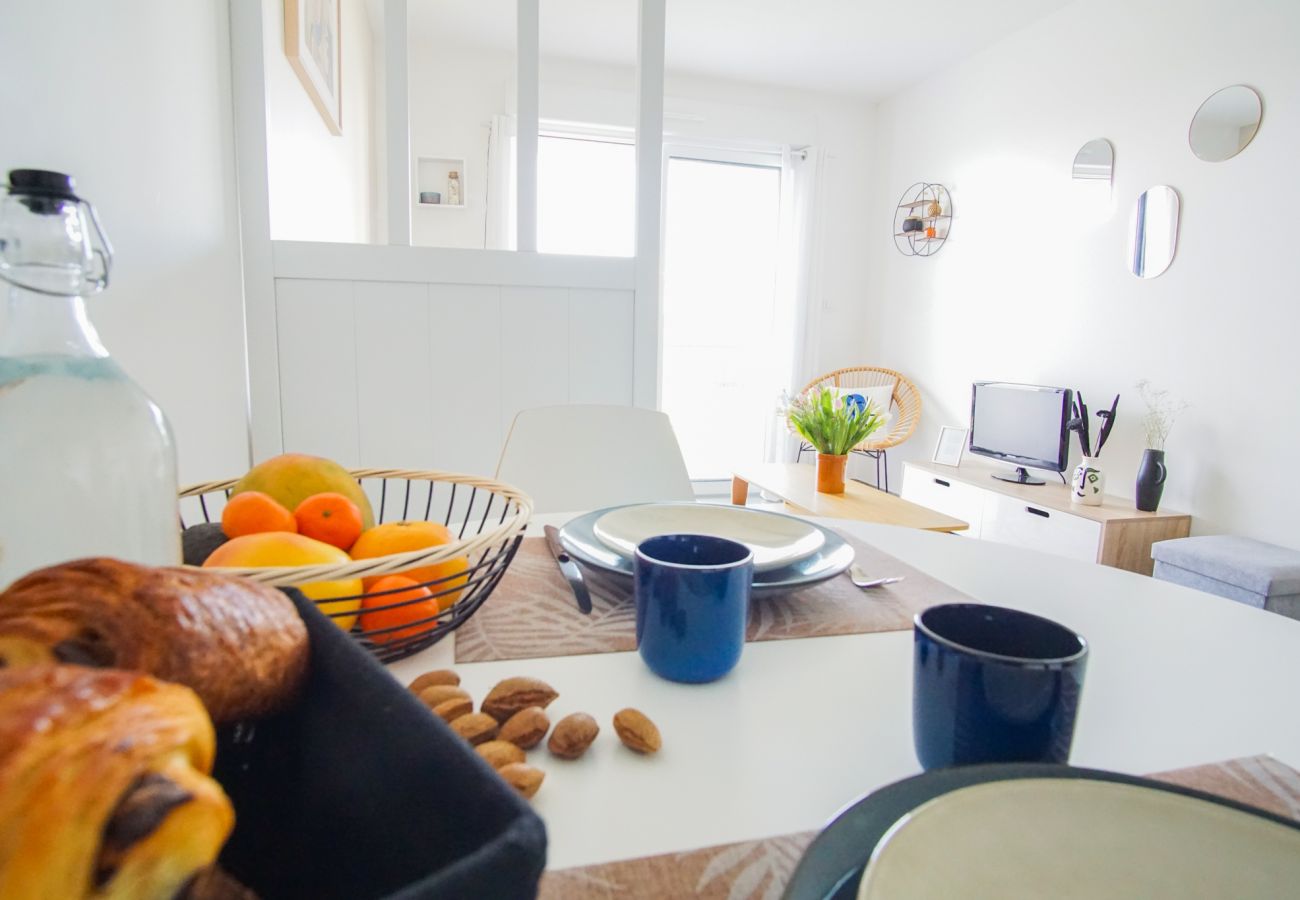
<point x="283" y="548"/>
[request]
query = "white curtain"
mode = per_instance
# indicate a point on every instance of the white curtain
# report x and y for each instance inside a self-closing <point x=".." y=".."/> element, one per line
<point x="798" y="316"/>
<point x="499" y="230"/>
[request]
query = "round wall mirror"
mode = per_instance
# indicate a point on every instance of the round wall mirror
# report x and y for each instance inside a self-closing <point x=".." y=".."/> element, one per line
<point x="1153" y="231"/>
<point x="1225" y="123"/>
<point x="1094" y="162"/>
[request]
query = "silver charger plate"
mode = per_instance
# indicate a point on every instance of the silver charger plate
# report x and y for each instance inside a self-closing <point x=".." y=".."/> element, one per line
<point x="834" y="556"/>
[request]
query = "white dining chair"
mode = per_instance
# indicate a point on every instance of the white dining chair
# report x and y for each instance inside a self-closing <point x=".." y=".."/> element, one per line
<point x="576" y="457"/>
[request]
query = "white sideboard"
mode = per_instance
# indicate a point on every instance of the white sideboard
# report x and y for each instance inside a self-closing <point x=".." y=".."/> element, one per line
<point x="1041" y="517"/>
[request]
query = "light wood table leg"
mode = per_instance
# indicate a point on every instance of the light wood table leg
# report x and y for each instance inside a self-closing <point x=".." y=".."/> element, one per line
<point x="739" y="490"/>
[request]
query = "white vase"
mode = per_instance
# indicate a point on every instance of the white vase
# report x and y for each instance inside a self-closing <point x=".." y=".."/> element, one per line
<point x="1089" y="485"/>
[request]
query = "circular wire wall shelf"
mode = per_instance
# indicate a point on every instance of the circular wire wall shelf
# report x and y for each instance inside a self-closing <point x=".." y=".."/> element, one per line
<point x="923" y="219"/>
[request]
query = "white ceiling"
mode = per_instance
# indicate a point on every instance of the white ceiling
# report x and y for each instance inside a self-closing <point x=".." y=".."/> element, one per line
<point x="870" y="48"/>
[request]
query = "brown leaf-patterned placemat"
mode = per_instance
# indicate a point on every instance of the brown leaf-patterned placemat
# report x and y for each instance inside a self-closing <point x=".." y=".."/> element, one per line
<point x="762" y="868"/>
<point x="532" y="612"/>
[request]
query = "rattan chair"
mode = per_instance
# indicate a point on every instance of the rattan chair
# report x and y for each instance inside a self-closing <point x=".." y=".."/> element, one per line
<point x="905" y="406"/>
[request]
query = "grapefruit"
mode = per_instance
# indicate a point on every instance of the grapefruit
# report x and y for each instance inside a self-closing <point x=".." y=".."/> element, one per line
<point x="404" y="537"/>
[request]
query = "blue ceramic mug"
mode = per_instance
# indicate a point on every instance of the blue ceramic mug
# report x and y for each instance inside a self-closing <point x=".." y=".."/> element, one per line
<point x="692" y="601"/>
<point x="993" y="685"/>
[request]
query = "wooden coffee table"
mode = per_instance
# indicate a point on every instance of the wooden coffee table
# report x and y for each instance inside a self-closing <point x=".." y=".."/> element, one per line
<point x="797" y="485"/>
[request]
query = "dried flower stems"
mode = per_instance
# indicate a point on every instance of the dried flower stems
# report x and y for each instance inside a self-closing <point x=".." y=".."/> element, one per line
<point x="1162" y="411"/>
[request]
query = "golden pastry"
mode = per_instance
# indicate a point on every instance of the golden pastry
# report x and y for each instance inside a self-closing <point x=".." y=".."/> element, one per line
<point x="104" y="787"/>
<point x="239" y="644"/>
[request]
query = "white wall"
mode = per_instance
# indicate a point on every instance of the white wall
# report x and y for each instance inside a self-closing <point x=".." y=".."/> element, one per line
<point x="322" y="186"/>
<point x="134" y="101"/>
<point x="1026" y="291"/>
<point x="454" y="94"/>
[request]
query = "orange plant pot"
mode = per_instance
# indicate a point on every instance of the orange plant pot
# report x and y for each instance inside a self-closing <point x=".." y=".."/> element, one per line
<point x="830" y="473"/>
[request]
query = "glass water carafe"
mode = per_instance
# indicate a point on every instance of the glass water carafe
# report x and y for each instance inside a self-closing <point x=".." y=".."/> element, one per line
<point x="87" y="461"/>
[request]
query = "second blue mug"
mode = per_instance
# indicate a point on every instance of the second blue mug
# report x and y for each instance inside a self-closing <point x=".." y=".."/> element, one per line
<point x="993" y="685"/>
<point x="692" y="602"/>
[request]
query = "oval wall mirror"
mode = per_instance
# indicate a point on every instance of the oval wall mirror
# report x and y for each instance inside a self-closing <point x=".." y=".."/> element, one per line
<point x="1094" y="162"/>
<point x="1225" y="123"/>
<point x="1153" y="231"/>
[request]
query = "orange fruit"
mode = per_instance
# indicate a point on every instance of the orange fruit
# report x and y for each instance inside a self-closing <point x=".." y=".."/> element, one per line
<point x="420" y="605"/>
<point x="329" y="517"/>
<point x="280" y="548"/>
<point x="293" y="477"/>
<point x="404" y="537"/>
<point x="253" y="513"/>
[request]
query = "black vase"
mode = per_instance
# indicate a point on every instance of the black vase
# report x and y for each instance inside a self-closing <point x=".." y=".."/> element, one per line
<point x="1151" y="480"/>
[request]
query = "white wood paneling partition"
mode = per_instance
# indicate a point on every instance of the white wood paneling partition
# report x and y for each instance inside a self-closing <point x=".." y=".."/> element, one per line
<point x="420" y="358"/>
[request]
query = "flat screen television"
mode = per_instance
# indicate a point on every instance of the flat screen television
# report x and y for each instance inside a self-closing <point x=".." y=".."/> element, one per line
<point x="1023" y="424"/>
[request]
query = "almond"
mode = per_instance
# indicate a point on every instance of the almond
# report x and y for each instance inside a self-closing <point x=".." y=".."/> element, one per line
<point x="453" y="709"/>
<point x="526" y="728"/>
<point x="500" y="753"/>
<point x="435" y="694"/>
<point x="636" y="731"/>
<point x="514" y="694"/>
<point x="475" y="727"/>
<point x="573" y="735"/>
<point x="437" y="676"/>
<point x="522" y="777"/>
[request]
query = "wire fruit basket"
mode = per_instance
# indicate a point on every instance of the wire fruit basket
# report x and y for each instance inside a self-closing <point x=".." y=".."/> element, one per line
<point x="486" y="517"/>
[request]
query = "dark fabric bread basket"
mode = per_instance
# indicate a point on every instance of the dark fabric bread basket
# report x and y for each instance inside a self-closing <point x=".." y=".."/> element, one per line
<point x="359" y="792"/>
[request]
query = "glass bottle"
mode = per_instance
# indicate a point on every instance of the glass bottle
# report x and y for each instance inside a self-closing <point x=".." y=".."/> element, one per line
<point x="453" y="188"/>
<point x="87" y="461"/>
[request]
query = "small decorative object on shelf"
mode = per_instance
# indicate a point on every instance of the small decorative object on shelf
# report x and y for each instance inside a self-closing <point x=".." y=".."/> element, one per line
<point x="834" y="426"/>
<point x="453" y="188"/>
<point x="430" y="197"/>
<point x="1089" y="485"/>
<point x="922" y="235"/>
<point x="1161" y="412"/>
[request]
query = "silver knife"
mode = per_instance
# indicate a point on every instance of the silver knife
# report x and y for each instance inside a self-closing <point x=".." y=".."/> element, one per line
<point x="569" y="569"/>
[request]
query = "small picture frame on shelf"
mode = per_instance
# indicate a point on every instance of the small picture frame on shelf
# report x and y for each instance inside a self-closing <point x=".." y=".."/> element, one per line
<point x="950" y="446"/>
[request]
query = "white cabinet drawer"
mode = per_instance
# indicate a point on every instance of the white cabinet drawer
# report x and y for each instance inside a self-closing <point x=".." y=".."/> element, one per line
<point x="945" y="495"/>
<point x="1008" y="520"/>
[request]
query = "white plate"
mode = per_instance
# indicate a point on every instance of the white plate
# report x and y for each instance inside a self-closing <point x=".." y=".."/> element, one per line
<point x="1077" y="838"/>
<point x="776" y="540"/>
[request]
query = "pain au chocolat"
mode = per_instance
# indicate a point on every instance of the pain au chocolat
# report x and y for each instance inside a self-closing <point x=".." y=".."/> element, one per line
<point x="104" y="785"/>
<point x="241" y="646"/>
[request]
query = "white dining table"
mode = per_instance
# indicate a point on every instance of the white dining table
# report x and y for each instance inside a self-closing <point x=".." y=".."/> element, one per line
<point x="801" y="727"/>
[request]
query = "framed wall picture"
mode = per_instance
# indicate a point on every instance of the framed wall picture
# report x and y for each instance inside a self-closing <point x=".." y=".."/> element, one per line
<point x="311" y="42"/>
<point x="948" y="449"/>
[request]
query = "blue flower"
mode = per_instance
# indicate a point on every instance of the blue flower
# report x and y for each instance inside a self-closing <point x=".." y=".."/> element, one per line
<point x="856" y="402"/>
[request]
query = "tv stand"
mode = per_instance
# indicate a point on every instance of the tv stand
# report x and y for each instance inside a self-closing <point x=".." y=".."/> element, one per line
<point x="1042" y="517"/>
<point x="1019" y="476"/>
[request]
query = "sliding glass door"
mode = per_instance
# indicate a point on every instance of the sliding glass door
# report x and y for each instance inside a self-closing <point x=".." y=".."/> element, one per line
<point x="722" y="355"/>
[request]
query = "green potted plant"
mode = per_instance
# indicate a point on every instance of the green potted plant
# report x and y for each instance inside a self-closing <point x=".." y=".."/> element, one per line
<point x="834" y="426"/>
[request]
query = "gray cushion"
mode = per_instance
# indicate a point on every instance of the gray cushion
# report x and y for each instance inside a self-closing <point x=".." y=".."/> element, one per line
<point x="1257" y="567"/>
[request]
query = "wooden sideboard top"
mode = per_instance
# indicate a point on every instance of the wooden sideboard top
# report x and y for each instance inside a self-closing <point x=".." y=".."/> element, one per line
<point x="1052" y="495"/>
